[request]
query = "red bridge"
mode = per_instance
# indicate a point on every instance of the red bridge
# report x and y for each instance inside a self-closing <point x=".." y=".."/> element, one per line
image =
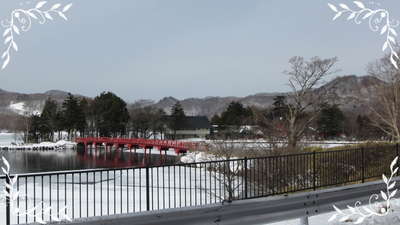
<point x="138" y="143"/>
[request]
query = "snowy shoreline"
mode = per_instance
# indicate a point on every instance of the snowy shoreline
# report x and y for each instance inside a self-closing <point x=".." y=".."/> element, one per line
<point x="59" y="145"/>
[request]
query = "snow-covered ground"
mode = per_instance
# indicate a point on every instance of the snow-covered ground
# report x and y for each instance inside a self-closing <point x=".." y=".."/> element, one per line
<point x="192" y="157"/>
<point x="121" y="191"/>
<point x="153" y="151"/>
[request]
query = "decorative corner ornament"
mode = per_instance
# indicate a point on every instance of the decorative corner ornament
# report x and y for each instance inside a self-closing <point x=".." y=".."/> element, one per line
<point x="379" y="21"/>
<point x="374" y="208"/>
<point x="21" y="21"/>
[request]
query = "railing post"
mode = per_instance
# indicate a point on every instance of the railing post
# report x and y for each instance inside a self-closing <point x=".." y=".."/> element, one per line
<point x="147" y="188"/>
<point x="304" y="220"/>
<point x="8" y="202"/>
<point x="314" y="173"/>
<point x="363" y="164"/>
<point x="245" y="178"/>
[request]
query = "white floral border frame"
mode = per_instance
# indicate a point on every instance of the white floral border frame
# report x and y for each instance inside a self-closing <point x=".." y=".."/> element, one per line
<point x="359" y="213"/>
<point x="21" y="21"/>
<point x="379" y="21"/>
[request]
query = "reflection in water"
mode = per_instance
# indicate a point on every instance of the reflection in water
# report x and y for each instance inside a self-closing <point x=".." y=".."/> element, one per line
<point x="40" y="161"/>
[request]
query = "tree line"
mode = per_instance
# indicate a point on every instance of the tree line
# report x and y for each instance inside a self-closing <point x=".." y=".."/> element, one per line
<point x="271" y="123"/>
<point x="107" y="115"/>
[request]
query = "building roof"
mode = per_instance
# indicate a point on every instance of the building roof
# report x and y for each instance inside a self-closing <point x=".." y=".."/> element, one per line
<point x="193" y="122"/>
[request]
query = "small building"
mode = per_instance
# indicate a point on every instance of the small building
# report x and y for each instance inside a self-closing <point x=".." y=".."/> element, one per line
<point x="190" y="127"/>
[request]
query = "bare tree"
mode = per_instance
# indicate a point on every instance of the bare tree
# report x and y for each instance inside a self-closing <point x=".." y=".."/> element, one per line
<point x="385" y="104"/>
<point x="146" y="122"/>
<point x="228" y="173"/>
<point x="304" y="100"/>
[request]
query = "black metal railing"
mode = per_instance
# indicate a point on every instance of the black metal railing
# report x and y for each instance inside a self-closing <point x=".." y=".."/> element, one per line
<point x="98" y="192"/>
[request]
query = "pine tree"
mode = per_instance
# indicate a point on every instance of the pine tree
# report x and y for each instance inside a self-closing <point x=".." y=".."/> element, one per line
<point x="80" y="120"/>
<point x="110" y="114"/>
<point x="236" y="115"/>
<point x="280" y="108"/>
<point x="48" y="120"/>
<point x="178" y="117"/>
<point x="34" y="128"/>
<point x="216" y="119"/>
<point x="177" y="110"/>
<point x="330" y="122"/>
<point x="70" y="112"/>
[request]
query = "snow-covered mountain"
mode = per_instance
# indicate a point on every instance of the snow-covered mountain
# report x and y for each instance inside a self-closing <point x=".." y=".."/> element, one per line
<point x="27" y="104"/>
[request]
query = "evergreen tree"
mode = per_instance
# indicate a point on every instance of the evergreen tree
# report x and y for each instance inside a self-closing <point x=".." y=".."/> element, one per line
<point x="215" y="120"/>
<point x="48" y="120"/>
<point x="59" y="122"/>
<point x="80" y="120"/>
<point x="280" y="108"/>
<point x="330" y="121"/>
<point x="177" y="110"/>
<point x="236" y="115"/>
<point x="73" y="115"/>
<point x="111" y="114"/>
<point x="178" y="117"/>
<point x="34" y="128"/>
<point x="70" y="112"/>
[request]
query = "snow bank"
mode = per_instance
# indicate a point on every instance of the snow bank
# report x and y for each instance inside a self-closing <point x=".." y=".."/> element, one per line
<point x="153" y="151"/>
<point x="59" y="145"/>
<point x="67" y="144"/>
<point x="193" y="157"/>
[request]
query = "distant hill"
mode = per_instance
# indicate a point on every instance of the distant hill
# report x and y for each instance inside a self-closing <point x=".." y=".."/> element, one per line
<point x="19" y="103"/>
<point x="347" y="92"/>
<point x="350" y="92"/>
<point x="353" y="92"/>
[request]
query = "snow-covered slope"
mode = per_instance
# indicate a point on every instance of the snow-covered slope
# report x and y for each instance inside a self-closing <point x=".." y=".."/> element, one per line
<point x="22" y="109"/>
<point x="12" y="103"/>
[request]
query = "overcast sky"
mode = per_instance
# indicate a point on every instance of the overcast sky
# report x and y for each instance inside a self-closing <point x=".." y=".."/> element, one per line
<point x="148" y="49"/>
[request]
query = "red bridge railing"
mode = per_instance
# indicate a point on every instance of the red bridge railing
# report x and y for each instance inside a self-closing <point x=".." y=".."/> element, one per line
<point x="178" y="146"/>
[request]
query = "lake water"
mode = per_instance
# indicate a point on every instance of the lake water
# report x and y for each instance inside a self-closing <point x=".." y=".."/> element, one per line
<point x="70" y="159"/>
<point x="41" y="161"/>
